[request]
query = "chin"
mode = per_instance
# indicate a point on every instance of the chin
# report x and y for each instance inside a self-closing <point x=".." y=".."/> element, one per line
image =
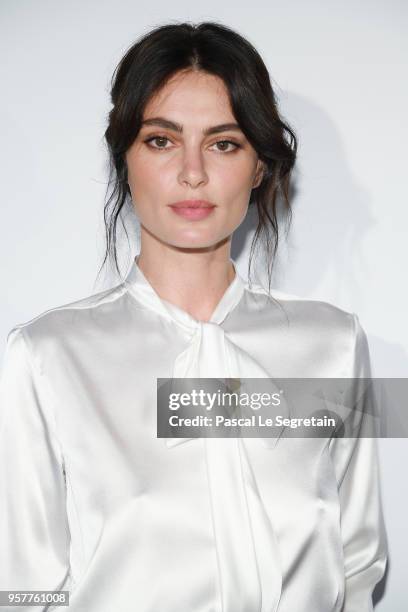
<point x="194" y="244"/>
<point x="194" y="238"/>
<point x="196" y="241"/>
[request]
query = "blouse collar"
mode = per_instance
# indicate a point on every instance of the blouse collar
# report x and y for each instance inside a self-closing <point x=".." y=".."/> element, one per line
<point x="144" y="292"/>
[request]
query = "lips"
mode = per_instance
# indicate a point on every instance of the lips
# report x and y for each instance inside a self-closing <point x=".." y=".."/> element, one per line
<point x="192" y="204"/>
<point x="193" y="210"/>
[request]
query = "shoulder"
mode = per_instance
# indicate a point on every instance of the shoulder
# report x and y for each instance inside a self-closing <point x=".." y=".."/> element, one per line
<point x="312" y="317"/>
<point x="75" y="317"/>
<point x="314" y="337"/>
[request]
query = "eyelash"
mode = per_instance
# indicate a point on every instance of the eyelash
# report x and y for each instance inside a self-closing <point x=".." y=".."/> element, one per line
<point x="148" y="140"/>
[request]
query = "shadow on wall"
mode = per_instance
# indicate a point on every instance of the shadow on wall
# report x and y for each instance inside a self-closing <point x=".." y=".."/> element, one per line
<point x="331" y="210"/>
<point x="331" y="218"/>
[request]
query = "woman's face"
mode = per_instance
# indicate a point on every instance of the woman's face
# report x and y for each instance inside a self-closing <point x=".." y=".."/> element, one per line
<point x="176" y="158"/>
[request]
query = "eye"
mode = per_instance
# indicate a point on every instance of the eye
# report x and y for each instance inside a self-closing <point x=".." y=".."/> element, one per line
<point x="228" y="142"/>
<point x="159" y="138"/>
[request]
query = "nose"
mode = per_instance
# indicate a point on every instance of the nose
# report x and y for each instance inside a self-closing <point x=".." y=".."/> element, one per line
<point x="193" y="170"/>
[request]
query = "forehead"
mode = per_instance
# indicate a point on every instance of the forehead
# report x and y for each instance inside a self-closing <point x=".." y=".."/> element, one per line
<point x="191" y="93"/>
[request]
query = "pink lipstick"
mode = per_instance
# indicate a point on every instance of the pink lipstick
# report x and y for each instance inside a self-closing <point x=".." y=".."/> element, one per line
<point x="194" y="210"/>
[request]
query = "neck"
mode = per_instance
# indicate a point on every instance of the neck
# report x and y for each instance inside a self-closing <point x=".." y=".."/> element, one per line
<point x="193" y="279"/>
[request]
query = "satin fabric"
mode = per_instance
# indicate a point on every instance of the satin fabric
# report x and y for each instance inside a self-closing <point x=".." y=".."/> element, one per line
<point x="94" y="502"/>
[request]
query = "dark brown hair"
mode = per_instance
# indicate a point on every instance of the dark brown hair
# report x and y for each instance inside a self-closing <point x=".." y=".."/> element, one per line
<point x="218" y="50"/>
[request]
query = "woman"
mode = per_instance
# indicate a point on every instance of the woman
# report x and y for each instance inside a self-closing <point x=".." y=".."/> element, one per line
<point x="96" y="503"/>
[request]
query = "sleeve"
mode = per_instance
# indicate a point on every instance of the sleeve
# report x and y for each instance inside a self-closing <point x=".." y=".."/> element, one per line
<point x="34" y="532"/>
<point x="356" y="464"/>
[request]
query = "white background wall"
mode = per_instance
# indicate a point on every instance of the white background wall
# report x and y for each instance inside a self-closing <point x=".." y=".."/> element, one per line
<point x="339" y="69"/>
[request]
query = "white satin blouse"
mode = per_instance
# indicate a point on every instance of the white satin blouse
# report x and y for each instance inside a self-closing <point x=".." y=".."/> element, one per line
<point x="94" y="503"/>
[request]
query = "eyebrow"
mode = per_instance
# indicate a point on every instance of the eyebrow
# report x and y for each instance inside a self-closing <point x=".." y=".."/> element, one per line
<point x="171" y="125"/>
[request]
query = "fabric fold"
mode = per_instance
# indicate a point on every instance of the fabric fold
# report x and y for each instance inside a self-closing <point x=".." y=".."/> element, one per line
<point x="211" y="354"/>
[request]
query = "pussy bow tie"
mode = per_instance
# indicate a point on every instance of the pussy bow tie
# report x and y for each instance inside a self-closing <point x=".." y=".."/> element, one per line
<point x="247" y="549"/>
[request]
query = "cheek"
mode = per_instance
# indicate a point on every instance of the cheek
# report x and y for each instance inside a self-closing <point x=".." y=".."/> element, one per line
<point x="236" y="186"/>
<point x="139" y="174"/>
<point x="146" y="189"/>
<point x="235" y="193"/>
<point x="150" y="179"/>
<point x="237" y="176"/>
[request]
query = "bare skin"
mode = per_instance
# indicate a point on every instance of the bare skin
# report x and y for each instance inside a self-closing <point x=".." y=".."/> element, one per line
<point x="187" y="261"/>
